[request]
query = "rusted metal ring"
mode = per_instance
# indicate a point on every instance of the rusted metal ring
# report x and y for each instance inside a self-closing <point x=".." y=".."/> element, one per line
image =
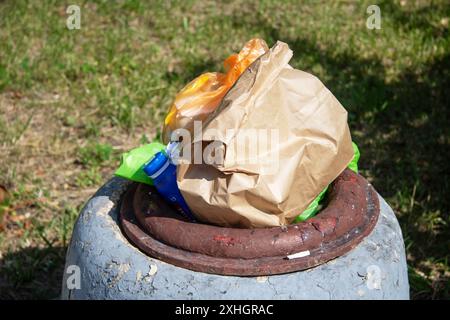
<point x="153" y="226"/>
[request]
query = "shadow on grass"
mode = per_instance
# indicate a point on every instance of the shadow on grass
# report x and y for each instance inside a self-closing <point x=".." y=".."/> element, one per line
<point x="418" y="18"/>
<point x="32" y="273"/>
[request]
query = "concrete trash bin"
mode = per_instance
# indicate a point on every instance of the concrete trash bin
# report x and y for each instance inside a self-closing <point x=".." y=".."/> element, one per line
<point x="101" y="263"/>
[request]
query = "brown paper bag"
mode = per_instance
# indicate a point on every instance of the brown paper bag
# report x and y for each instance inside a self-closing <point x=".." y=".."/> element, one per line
<point x="302" y="144"/>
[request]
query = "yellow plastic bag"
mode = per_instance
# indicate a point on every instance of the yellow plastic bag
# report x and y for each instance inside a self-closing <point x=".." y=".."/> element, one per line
<point x="202" y="95"/>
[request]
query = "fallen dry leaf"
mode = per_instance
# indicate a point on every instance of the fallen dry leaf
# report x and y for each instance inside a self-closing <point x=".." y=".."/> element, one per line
<point x="4" y="194"/>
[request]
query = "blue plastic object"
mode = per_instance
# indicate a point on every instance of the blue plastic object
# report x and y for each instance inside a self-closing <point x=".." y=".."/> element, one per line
<point x="164" y="175"/>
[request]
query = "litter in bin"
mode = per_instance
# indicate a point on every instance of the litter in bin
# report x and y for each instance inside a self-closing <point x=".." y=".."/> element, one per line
<point x="297" y="255"/>
<point x="263" y="93"/>
<point x="132" y="164"/>
<point x="308" y="146"/>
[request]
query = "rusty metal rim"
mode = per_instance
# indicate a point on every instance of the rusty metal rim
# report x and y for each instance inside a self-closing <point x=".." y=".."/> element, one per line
<point x="164" y="224"/>
<point x="351" y="215"/>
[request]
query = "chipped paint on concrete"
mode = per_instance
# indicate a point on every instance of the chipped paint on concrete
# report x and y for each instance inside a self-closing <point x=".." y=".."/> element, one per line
<point x="153" y="270"/>
<point x="261" y="279"/>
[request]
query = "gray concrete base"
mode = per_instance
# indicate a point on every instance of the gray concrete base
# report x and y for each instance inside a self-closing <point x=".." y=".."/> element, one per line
<point x="102" y="264"/>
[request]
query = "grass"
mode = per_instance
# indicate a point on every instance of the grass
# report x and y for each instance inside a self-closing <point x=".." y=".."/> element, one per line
<point x="71" y="101"/>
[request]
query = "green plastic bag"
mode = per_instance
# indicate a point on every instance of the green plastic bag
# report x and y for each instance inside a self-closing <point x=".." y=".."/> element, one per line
<point x="353" y="165"/>
<point x="131" y="166"/>
<point x="313" y="208"/>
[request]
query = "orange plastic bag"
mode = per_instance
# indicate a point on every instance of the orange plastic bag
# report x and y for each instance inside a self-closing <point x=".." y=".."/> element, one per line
<point x="202" y="95"/>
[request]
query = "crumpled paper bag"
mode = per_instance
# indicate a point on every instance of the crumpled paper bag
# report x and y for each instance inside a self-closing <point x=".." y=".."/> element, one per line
<point x="307" y="145"/>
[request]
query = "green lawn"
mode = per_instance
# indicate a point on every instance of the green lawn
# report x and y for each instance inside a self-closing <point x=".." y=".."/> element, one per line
<point x="71" y="101"/>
